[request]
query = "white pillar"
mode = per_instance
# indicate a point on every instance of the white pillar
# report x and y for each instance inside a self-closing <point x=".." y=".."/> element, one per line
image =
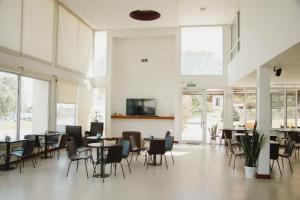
<point x="228" y="108"/>
<point x="264" y="117"/>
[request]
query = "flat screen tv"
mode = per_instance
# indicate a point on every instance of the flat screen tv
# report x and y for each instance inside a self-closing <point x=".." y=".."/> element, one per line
<point x="142" y="107"/>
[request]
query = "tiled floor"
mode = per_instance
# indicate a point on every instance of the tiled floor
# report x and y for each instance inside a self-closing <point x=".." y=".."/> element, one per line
<point x="200" y="172"/>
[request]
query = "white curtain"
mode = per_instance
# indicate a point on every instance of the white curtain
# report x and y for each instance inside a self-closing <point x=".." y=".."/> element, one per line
<point x="10" y="24"/>
<point x="66" y="92"/>
<point x="37" y="29"/>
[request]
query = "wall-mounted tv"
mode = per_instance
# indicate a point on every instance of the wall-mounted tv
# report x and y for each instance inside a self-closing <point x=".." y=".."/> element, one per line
<point x="143" y="107"/>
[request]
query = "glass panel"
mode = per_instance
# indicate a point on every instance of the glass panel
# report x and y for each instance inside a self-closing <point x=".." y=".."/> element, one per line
<point x="214" y="112"/>
<point x="34" y="106"/>
<point x="298" y="109"/>
<point x="291" y="108"/>
<point x="8" y="105"/>
<point x="192" y="117"/>
<point x="239" y="113"/>
<point x="65" y="115"/>
<point x="250" y="105"/>
<point x="98" y="108"/>
<point x="202" y="51"/>
<point x="100" y="53"/>
<point x="277" y="109"/>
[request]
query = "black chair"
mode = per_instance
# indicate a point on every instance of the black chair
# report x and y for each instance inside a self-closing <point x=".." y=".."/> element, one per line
<point x="62" y="144"/>
<point x="96" y="127"/>
<point x="134" y="148"/>
<point x="26" y="152"/>
<point x="157" y="147"/>
<point x="125" y="152"/>
<point x="114" y="156"/>
<point x="274" y="154"/>
<point x="74" y="156"/>
<point x="288" y="151"/>
<point x="169" y="141"/>
<point x="228" y="137"/>
<point x="75" y="133"/>
<point x="297" y="144"/>
<point x="234" y="153"/>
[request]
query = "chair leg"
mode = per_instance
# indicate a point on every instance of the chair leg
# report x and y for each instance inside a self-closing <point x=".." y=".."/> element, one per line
<point x="172" y="157"/>
<point x="20" y="163"/>
<point x="33" y="162"/>
<point x="131" y="157"/>
<point x="129" y="165"/>
<point x="147" y="160"/>
<point x="234" y="163"/>
<point x="290" y="165"/>
<point x="103" y="174"/>
<point x="77" y="165"/>
<point x="166" y="161"/>
<point x="58" y="153"/>
<point x="279" y="167"/>
<point x="282" y="162"/>
<point x="230" y="159"/>
<point x="115" y="169"/>
<point x="272" y="165"/>
<point x="87" y="174"/>
<point x="122" y="170"/>
<point x="111" y="168"/>
<point x="68" y="168"/>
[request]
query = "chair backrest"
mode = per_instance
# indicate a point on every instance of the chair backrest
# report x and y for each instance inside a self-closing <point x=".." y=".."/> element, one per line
<point x="28" y="147"/>
<point x="274" y="151"/>
<point x="30" y="137"/>
<point x="71" y="149"/>
<point x="227" y="134"/>
<point x="292" y="135"/>
<point x="157" y="147"/>
<point x="297" y="138"/>
<point x="63" y="141"/>
<point x="126" y="135"/>
<point x="76" y="134"/>
<point x="168" y="133"/>
<point x="133" y="145"/>
<point x="53" y="138"/>
<point x="96" y="127"/>
<point x="169" y="141"/>
<point x="125" y="144"/>
<point x="273" y="138"/>
<point x="288" y="149"/>
<point x="114" y="154"/>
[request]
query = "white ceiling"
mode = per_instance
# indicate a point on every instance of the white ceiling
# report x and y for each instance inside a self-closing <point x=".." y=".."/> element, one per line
<point x="114" y="14"/>
<point x="289" y="60"/>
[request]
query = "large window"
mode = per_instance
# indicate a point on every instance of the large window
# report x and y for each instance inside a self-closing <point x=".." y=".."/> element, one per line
<point x="244" y="108"/>
<point x="100" y="53"/>
<point x="202" y="50"/>
<point x="8" y="104"/>
<point x="33" y="105"/>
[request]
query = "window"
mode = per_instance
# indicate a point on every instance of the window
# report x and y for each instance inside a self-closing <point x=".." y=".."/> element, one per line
<point x="65" y="115"/>
<point x="8" y="105"/>
<point x="244" y="108"/>
<point x="100" y="53"/>
<point x="277" y="99"/>
<point x="235" y="36"/>
<point x="202" y="51"/>
<point x="34" y="106"/>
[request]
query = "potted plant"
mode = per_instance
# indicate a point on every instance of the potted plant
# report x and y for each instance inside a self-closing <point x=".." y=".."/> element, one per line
<point x="251" y="145"/>
<point x="213" y="132"/>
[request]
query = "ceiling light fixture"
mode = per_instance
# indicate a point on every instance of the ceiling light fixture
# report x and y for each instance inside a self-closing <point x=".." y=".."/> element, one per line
<point x="145" y="15"/>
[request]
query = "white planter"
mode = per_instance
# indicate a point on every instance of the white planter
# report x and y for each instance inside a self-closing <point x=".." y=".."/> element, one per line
<point x="250" y="172"/>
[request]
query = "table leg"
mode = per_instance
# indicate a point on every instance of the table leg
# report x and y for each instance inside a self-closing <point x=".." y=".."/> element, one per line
<point x="154" y="163"/>
<point x="46" y="147"/>
<point x="100" y="156"/>
<point x="7" y="159"/>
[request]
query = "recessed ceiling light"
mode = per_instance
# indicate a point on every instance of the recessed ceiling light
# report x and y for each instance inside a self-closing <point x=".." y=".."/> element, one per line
<point x="144" y="15"/>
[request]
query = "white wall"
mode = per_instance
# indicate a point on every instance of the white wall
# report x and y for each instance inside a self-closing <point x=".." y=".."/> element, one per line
<point x="268" y="27"/>
<point x="154" y="79"/>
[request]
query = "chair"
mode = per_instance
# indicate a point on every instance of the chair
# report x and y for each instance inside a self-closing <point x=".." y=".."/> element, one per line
<point x="74" y="156"/>
<point x="125" y="152"/>
<point x="157" y="147"/>
<point x="297" y="144"/>
<point x="288" y="150"/>
<point x="134" y="147"/>
<point x="96" y="127"/>
<point x="169" y="141"/>
<point x="62" y="144"/>
<point x="228" y="137"/>
<point x="75" y="133"/>
<point x="239" y="153"/>
<point x="274" y="154"/>
<point x="137" y="136"/>
<point x="26" y="152"/>
<point x="114" y="156"/>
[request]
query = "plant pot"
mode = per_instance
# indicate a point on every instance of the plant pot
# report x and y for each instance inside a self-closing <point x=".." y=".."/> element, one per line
<point x="250" y="172"/>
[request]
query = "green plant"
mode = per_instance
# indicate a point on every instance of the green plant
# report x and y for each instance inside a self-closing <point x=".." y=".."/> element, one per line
<point x="213" y="131"/>
<point x="251" y="146"/>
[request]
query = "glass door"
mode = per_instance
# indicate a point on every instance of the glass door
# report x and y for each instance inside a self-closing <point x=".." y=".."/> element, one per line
<point x="192" y="119"/>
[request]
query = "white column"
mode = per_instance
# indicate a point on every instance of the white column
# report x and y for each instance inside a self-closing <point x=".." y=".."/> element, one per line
<point x="228" y="108"/>
<point x="264" y="117"/>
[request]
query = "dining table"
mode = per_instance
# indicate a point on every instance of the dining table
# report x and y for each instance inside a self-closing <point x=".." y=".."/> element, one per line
<point x="8" y="149"/>
<point x="100" y="147"/>
<point x="46" y="137"/>
<point x="285" y="131"/>
<point x="154" y="162"/>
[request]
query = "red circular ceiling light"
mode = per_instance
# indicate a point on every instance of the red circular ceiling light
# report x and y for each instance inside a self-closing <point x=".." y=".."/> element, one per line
<point x="145" y="15"/>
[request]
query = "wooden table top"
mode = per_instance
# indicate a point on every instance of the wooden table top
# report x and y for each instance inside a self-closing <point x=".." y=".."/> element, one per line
<point x="11" y="141"/>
